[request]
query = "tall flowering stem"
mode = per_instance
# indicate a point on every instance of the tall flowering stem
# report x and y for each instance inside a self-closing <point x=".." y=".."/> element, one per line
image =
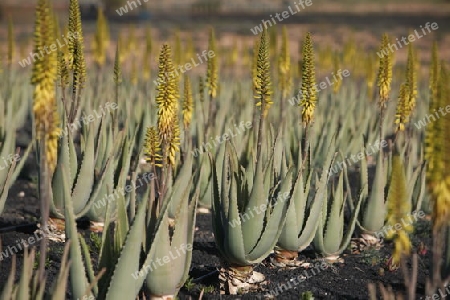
<point x="308" y="89"/>
<point x="168" y="124"/>
<point x="46" y="117"/>
<point x="212" y="75"/>
<point x="384" y="78"/>
<point x="77" y="62"/>
<point x="263" y="89"/>
<point x="408" y="93"/>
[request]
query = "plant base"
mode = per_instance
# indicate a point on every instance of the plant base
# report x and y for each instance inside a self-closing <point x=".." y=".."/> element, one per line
<point x="333" y="259"/>
<point x="365" y="242"/>
<point x="237" y="280"/>
<point x="285" y="258"/>
<point x="167" y="297"/>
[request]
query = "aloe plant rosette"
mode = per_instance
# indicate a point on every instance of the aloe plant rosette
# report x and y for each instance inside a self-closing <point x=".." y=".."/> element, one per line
<point x="246" y="222"/>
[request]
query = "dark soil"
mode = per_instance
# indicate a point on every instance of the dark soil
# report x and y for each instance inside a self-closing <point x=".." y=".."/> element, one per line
<point x="339" y="281"/>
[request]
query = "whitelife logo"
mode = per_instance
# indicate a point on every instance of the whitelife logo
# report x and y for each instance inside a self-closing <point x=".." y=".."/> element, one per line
<point x="53" y="47"/>
<point x="411" y="38"/>
<point x="187" y="66"/>
<point x="281" y="16"/>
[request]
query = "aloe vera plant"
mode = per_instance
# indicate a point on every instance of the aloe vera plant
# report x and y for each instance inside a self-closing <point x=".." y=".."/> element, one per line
<point x="246" y="221"/>
<point x="330" y="239"/>
<point x="82" y="185"/>
<point x="136" y="245"/>
<point x="373" y="206"/>
<point x="303" y="216"/>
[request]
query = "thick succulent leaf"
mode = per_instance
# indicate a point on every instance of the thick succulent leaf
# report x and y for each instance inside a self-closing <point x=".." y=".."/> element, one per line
<point x="234" y="246"/>
<point x="252" y="228"/>
<point x="9" y="286"/>
<point x="24" y="290"/>
<point x="275" y="222"/>
<point x="351" y="227"/>
<point x="318" y="241"/>
<point x="216" y="212"/>
<point x="60" y="285"/>
<point x="375" y="210"/>
<point x="73" y="160"/>
<point x="168" y="278"/>
<point x="88" y="261"/>
<point x="93" y="196"/>
<point x="63" y="165"/>
<point x="123" y="285"/>
<point x="288" y="239"/>
<point x="78" y="279"/>
<point x="204" y="181"/>
<point x="107" y="256"/>
<point x="334" y="227"/>
<point x="421" y="188"/>
<point x="85" y="178"/>
<point x="122" y="225"/>
<point x="7" y="148"/>
<point x="6" y="185"/>
<point x="181" y="183"/>
<point x="364" y="176"/>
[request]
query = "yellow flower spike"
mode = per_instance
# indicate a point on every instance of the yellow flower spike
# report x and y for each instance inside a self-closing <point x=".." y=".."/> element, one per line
<point x="188" y="103"/>
<point x="308" y="88"/>
<point x="408" y="93"/>
<point x="212" y="68"/>
<point x="399" y="207"/>
<point x="411" y="79"/>
<point x="74" y="29"/>
<point x="152" y="147"/>
<point x="201" y="89"/>
<point x="255" y="63"/>
<point x="167" y="100"/>
<point x="44" y="75"/>
<point x="262" y="80"/>
<point x="79" y="66"/>
<point x="62" y="69"/>
<point x="436" y="152"/>
<point x="385" y="71"/>
<point x="401" y="115"/>
<point x="167" y="90"/>
<point x="173" y="144"/>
